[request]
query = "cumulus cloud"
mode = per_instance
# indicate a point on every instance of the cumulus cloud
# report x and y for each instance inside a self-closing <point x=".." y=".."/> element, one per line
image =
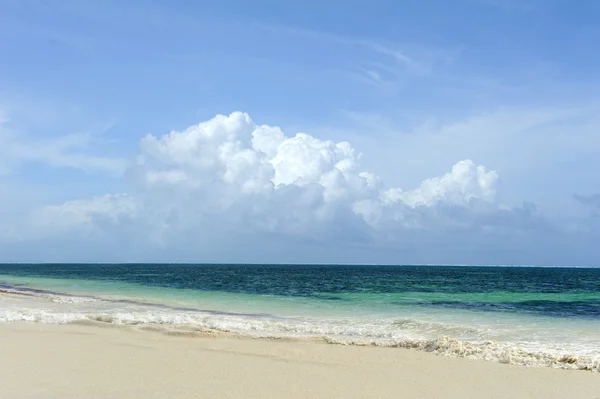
<point x="464" y="183"/>
<point x="229" y="189"/>
<point x="232" y="171"/>
<point x="258" y="159"/>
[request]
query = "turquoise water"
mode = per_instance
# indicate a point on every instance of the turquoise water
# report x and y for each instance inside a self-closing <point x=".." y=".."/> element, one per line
<point x="530" y="316"/>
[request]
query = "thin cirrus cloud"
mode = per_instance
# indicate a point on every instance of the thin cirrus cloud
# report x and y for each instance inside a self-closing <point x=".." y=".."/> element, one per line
<point x="592" y="201"/>
<point x="69" y="151"/>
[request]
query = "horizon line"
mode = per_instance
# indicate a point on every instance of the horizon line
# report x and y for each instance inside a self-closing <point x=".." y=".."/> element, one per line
<point x="303" y="264"/>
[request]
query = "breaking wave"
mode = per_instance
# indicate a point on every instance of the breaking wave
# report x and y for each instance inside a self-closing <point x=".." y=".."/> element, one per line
<point x="394" y="334"/>
<point x="52" y="296"/>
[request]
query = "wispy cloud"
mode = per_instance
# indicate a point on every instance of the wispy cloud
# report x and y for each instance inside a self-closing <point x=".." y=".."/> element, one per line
<point x="373" y="58"/>
<point x="512" y="5"/>
<point x="395" y="54"/>
<point x="588" y="200"/>
<point x="381" y="63"/>
<point x="373" y="75"/>
<point x="76" y="151"/>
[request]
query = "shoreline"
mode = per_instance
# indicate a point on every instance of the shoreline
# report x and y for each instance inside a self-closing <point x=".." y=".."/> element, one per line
<point x="192" y="320"/>
<point x="99" y="361"/>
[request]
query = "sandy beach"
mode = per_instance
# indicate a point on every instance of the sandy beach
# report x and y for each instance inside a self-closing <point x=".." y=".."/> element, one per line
<point x="80" y="361"/>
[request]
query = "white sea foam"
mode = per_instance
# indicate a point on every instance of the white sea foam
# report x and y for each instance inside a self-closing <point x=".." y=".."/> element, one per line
<point x="456" y="340"/>
<point x="54" y="297"/>
<point x="71" y="299"/>
<point x="347" y="332"/>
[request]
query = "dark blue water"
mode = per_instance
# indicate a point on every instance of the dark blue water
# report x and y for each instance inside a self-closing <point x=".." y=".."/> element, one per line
<point x="552" y="292"/>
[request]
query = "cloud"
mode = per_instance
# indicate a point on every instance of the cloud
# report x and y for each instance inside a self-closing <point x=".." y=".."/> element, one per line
<point x="464" y="183"/>
<point x="230" y="159"/>
<point x="592" y="201"/>
<point x="229" y="189"/>
<point x="233" y="172"/>
<point x="382" y="64"/>
<point x="70" y="151"/>
<point x="397" y="55"/>
<point x="85" y="214"/>
<point x="518" y="142"/>
<point x="511" y="5"/>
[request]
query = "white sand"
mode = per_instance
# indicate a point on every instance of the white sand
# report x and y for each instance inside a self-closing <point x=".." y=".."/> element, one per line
<point x="72" y="361"/>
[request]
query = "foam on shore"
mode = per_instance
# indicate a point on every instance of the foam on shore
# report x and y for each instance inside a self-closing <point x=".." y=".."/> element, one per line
<point x="440" y="338"/>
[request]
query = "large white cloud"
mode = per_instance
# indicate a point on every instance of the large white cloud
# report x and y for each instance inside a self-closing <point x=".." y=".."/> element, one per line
<point x="465" y="182"/>
<point x="250" y="158"/>
<point x="231" y="171"/>
<point x="230" y="190"/>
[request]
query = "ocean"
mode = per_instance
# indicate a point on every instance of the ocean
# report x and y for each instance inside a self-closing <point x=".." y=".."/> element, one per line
<point x="530" y="316"/>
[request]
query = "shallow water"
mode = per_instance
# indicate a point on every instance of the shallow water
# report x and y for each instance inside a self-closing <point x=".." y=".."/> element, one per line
<point x="530" y="316"/>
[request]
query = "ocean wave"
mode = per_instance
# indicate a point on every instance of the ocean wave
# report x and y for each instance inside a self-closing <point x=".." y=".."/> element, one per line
<point x="490" y="351"/>
<point x="344" y="332"/>
<point x="52" y="296"/>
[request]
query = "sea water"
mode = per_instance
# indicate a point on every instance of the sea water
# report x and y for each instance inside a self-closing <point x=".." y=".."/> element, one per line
<point x="519" y="315"/>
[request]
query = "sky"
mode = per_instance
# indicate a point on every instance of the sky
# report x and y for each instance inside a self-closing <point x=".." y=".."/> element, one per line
<point x="397" y="132"/>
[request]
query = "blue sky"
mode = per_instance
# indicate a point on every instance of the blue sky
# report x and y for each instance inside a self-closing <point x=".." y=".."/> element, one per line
<point x="477" y="121"/>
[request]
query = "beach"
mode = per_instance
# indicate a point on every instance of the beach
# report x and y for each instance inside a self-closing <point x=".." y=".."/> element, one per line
<point x="87" y="361"/>
<point x="336" y="199"/>
<point x="244" y="331"/>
